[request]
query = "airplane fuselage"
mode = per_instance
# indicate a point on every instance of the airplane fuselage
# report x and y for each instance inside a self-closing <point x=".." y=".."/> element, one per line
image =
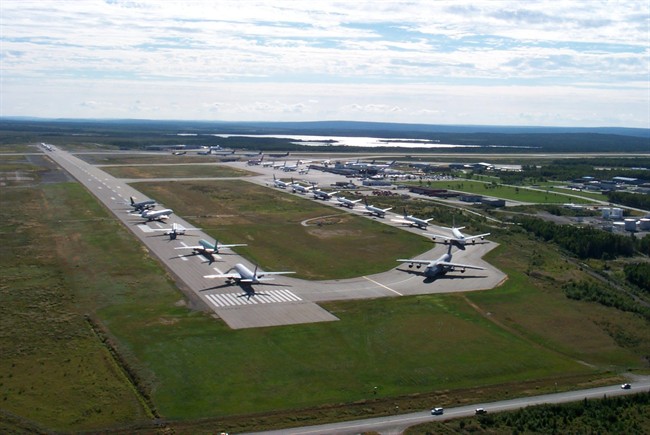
<point x="152" y="215"/>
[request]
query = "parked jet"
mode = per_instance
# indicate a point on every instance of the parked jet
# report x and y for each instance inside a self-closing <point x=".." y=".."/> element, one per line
<point x="296" y="187"/>
<point x="325" y="196"/>
<point x="344" y="202"/>
<point x="459" y="239"/>
<point x="175" y="231"/>
<point x="142" y="205"/>
<point x="156" y="215"/>
<point x="256" y="161"/>
<point x="278" y="156"/>
<point x="208" y="250"/>
<point x="242" y="274"/>
<point x="412" y="220"/>
<point x="379" y="212"/>
<point x="279" y="183"/>
<point x="440" y="266"/>
<point x="290" y="168"/>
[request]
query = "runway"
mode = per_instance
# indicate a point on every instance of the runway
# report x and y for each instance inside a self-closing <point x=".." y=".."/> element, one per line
<point x="288" y="300"/>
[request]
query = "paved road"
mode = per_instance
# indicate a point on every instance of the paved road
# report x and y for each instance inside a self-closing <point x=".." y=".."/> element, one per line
<point x="290" y="300"/>
<point x="398" y="423"/>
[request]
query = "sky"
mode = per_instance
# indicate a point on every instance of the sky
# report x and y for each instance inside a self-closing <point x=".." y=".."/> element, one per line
<point x="483" y="62"/>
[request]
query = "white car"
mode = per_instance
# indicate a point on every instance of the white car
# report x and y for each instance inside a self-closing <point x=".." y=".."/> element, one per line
<point x="437" y="411"/>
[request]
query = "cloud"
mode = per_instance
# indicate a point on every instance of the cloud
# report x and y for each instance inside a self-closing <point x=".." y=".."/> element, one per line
<point x="167" y="51"/>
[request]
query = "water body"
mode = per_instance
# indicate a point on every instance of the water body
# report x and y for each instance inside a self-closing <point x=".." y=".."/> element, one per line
<point x="353" y="141"/>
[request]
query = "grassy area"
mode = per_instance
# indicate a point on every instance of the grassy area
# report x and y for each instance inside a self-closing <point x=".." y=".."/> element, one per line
<point x="56" y="373"/>
<point x="143" y="158"/>
<point x="175" y="171"/>
<point x="324" y="242"/>
<point x="523" y="194"/>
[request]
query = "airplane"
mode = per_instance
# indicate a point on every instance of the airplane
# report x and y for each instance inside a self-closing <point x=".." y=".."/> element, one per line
<point x="291" y="168"/>
<point x="278" y="156"/>
<point x="412" y="220"/>
<point x="304" y="171"/>
<point x="279" y="166"/>
<point x="242" y="274"/>
<point x="256" y="161"/>
<point x="440" y="266"/>
<point x="142" y="205"/>
<point x="459" y="239"/>
<point x="300" y="188"/>
<point x="208" y="249"/>
<point x="179" y="153"/>
<point x="279" y="183"/>
<point x="175" y="231"/>
<point x="344" y="202"/>
<point x="325" y="196"/>
<point x="379" y="212"/>
<point x="156" y="215"/>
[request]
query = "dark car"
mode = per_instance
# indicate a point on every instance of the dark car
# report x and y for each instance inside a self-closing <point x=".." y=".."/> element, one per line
<point x="626" y="386"/>
<point x="480" y="411"/>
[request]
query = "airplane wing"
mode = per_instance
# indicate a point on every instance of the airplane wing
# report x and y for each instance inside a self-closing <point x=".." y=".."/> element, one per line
<point x="408" y="260"/>
<point x="401" y="221"/>
<point x="177" y="229"/>
<point x="232" y="275"/>
<point x="479" y="236"/>
<point x="460" y="266"/>
<point x="440" y="236"/>
<point x="260" y="274"/>
<point x="189" y="247"/>
<point x="232" y="246"/>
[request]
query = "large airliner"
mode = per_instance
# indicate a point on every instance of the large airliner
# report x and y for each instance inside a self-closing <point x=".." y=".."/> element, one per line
<point x="440" y="266"/>
<point x="412" y="220"/>
<point x="459" y="239"/>
<point x="209" y="250"/>
<point x="242" y="274"/>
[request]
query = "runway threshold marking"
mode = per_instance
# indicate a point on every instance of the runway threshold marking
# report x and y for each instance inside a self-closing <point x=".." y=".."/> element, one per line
<point x="268" y="297"/>
<point x="381" y="285"/>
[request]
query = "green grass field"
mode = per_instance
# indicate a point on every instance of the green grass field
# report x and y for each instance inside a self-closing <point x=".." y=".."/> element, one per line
<point x="287" y="232"/>
<point x="67" y="257"/>
<point x="175" y="171"/>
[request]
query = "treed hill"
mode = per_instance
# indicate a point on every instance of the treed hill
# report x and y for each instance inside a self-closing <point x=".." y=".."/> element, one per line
<point x="139" y="133"/>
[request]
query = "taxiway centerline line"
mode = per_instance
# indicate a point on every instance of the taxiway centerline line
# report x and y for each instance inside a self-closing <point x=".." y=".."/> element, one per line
<point x="381" y="285"/>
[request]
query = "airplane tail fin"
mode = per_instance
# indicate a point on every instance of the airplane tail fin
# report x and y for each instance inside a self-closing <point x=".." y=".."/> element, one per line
<point x="132" y="200"/>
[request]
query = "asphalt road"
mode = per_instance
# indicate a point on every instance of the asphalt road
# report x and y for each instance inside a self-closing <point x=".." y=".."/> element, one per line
<point x="289" y="300"/>
<point x="398" y="423"/>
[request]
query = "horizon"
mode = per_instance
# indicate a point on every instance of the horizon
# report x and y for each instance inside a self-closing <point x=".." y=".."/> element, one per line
<point x="463" y="63"/>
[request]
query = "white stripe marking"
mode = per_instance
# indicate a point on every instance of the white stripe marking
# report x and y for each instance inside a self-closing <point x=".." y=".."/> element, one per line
<point x="381" y="285"/>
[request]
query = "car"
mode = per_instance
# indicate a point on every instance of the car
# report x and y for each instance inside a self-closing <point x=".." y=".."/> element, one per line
<point x="480" y="411"/>
<point x="437" y="411"/>
<point x="626" y="386"/>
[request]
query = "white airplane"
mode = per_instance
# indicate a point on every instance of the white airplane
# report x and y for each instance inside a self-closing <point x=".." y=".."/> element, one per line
<point x="256" y="161"/>
<point x="279" y="166"/>
<point x="242" y="274"/>
<point x="304" y="171"/>
<point x="412" y="220"/>
<point x="296" y="187"/>
<point x="156" y="215"/>
<point x="175" y="231"/>
<point x="291" y="168"/>
<point x="459" y="239"/>
<point x="325" y="196"/>
<point x="379" y="212"/>
<point x="142" y="205"/>
<point x="440" y="266"/>
<point x="208" y="249"/>
<point x="344" y="202"/>
<point x="279" y="183"/>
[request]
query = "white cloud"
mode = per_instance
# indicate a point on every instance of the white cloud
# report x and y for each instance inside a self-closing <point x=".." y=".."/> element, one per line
<point x="272" y="60"/>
